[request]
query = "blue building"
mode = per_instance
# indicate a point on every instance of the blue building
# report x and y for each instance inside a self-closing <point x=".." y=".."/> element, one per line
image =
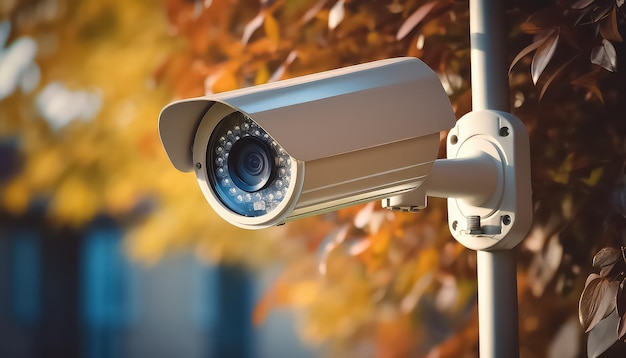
<point x="72" y="293"/>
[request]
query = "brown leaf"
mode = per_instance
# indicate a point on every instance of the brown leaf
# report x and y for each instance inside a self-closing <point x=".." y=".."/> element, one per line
<point x="554" y="75"/>
<point x="604" y="55"/>
<point x="608" y="27"/>
<point x="609" y="271"/>
<point x="597" y="301"/>
<point x="587" y="79"/>
<point x="280" y="71"/>
<point x="603" y="336"/>
<point x="416" y="17"/>
<point x="544" y="55"/>
<point x="530" y="48"/>
<point x="620" y="302"/>
<point x="581" y="4"/>
<point x="606" y="256"/>
<point x="312" y="12"/>
<point x="531" y="28"/>
<point x="603" y="11"/>
<point x="594" y="90"/>
<point x="252" y="26"/>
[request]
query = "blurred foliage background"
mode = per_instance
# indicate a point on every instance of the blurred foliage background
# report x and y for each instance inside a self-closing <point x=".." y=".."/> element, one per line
<point x="82" y="83"/>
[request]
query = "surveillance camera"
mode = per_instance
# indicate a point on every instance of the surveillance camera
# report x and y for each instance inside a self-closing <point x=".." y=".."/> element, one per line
<point x="273" y="153"/>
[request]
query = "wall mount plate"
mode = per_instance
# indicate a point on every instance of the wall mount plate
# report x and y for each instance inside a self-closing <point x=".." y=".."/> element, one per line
<point x="503" y="219"/>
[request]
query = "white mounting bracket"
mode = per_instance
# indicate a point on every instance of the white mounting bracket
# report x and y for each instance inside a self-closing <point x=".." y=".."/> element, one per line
<point x="486" y="179"/>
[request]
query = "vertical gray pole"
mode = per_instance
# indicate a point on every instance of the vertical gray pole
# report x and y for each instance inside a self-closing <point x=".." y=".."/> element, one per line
<point x="497" y="280"/>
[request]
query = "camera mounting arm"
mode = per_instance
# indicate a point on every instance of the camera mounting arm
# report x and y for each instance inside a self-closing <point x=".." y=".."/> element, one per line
<point x="486" y="179"/>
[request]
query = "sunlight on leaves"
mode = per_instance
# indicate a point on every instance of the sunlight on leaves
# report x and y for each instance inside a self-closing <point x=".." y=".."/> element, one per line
<point x="597" y="301"/>
<point x="336" y="14"/>
<point x="605" y="56"/>
<point x="544" y="54"/>
<point x="415" y="19"/>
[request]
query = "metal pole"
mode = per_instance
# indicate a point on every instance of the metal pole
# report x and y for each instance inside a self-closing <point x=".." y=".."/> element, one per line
<point x="497" y="280"/>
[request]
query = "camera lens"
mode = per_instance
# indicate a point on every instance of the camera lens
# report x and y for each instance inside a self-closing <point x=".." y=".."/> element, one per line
<point x="251" y="164"/>
<point x="248" y="171"/>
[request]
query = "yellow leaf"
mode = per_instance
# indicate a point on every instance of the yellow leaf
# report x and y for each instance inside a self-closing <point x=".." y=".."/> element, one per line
<point x="119" y="196"/>
<point x="226" y="82"/>
<point x="561" y="175"/>
<point x="74" y="202"/>
<point x="45" y="167"/>
<point x="262" y="76"/>
<point x="594" y="177"/>
<point x="15" y="196"/>
<point x="304" y="293"/>
<point x="427" y="261"/>
<point x="272" y="29"/>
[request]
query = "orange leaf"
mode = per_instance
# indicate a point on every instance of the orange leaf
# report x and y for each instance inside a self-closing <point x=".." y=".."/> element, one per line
<point x="531" y="28"/>
<point x="595" y="90"/>
<point x="275" y="296"/>
<point x="272" y="29"/>
<point x="587" y="79"/>
<point x="608" y="28"/>
<point x="226" y="82"/>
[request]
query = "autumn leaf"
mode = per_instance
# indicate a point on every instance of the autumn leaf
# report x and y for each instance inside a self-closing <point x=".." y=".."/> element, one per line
<point x="415" y="19"/>
<point x="597" y="301"/>
<point x="272" y="30"/>
<point x="603" y="336"/>
<point x="608" y="27"/>
<point x="554" y="75"/>
<point x="620" y="302"/>
<point x="540" y="40"/>
<point x="544" y="54"/>
<point x="606" y="256"/>
<point x="312" y="12"/>
<point x="252" y="26"/>
<point x="605" y="56"/>
<point x="602" y="11"/>
<point x="581" y="4"/>
<point x="562" y="174"/>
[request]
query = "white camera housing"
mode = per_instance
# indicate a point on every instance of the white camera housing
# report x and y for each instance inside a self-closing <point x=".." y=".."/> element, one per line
<point x="272" y="153"/>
